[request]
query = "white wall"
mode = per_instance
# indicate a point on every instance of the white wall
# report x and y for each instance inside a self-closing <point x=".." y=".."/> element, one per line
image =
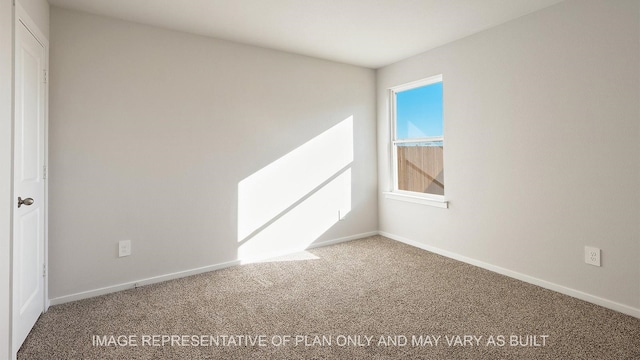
<point x="542" y="148"/>
<point x="151" y="132"/>
<point x="6" y="99"/>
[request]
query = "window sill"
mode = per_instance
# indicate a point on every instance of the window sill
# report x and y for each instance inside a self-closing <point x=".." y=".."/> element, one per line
<point x="417" y="200"/>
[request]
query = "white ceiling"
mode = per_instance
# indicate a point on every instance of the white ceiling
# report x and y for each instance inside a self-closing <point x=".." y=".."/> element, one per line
<point x="370" y="33"/>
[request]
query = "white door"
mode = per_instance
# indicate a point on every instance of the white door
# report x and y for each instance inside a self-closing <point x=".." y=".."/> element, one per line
<point x="29" y="188"/>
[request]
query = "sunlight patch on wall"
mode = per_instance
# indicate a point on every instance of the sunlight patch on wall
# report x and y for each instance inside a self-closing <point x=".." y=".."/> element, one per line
<point x="288" y="204"/>
<point x="304" y="223"/>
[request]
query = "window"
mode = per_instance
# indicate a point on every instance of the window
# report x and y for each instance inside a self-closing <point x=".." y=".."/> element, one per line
<point x="418" y="139"/>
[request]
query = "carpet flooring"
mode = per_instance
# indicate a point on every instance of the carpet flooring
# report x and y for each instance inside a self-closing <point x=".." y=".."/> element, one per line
<point x="372" y="298"/>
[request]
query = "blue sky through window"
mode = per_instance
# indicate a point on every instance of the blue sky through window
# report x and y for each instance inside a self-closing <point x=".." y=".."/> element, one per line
<point x="419" y="112"/>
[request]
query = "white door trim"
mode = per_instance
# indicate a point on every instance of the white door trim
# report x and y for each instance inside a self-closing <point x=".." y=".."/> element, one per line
<point x="22" y="18"/>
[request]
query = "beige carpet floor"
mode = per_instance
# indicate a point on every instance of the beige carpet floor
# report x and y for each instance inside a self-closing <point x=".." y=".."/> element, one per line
<point x="368" y="299"/>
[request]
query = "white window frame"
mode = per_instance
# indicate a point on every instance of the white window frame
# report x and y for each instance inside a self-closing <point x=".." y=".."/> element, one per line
<point x="396" y="193"/>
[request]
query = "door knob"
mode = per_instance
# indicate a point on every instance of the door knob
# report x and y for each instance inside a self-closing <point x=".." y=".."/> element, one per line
<point x="27" y="201"/>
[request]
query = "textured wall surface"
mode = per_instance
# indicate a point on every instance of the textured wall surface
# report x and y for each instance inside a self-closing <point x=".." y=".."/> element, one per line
<point x="542" y="145"/>
<point x="154" y="133"/>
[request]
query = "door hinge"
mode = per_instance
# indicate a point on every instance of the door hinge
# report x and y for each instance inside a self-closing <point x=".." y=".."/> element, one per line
<point x="45" y="76"/>
<point x="44" y="270"/>
<point x="44" y="172"/>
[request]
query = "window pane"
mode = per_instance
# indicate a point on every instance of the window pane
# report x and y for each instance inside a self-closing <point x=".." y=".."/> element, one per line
<point x="420" y="167"/>
<point x="419" y="112"/>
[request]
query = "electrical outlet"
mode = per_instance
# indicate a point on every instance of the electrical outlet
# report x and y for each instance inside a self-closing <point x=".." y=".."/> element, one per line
<point x="592" y="255"/>
<point x="124" y="248"/>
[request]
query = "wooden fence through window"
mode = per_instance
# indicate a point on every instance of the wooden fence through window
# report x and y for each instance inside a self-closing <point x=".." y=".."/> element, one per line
<point x="420" y="169"/>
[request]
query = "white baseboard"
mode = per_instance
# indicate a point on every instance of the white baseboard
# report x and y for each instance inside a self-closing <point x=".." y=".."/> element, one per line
<point x="181" y="274"/>
<point x="343" y="239"/>
<point x="138" y="283"/>
<point x="625" y="309"/>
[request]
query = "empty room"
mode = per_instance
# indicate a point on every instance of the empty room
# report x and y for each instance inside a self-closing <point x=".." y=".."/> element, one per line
<point x="322" y="179"/>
